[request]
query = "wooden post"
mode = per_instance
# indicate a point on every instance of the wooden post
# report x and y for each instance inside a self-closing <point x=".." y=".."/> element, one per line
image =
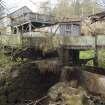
<point x="60" y="54"/>
<point x="17" y="30"/>
<point x="96" y="52"/>
<point x="12" y="53"/>
<point x="30" y="28"/>
<point x="76" y="57"/>
<point x="63" y="55"/>
<point x="70" y="57"/>
<point x="22" y="29"/>
<point x="30" y="31"/>
<point x="3" y="51"/>
<point x="21" y="36"/>
<point x="66" y="57"/>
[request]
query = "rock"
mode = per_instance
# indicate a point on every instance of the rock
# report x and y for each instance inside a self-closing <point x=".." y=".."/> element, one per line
<point x="63" y="94"/>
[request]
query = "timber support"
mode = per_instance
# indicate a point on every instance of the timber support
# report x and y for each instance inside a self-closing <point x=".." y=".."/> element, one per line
<point x="70" y="57"/>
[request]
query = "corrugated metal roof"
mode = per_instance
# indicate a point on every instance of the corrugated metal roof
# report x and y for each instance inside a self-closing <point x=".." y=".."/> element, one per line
<point x="20" y="12"/>
<point x="97" y="17"/>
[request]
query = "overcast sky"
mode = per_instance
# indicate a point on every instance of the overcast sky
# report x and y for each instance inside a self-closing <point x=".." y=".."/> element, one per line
<point x="32" y="4"/>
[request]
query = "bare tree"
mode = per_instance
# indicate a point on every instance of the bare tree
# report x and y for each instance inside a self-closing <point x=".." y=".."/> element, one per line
<point x="45" y="7"/>
<point x="76" y="5"/>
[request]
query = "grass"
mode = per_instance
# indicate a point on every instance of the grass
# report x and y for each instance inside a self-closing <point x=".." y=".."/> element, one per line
<point x="90" y="54"/>
<point x="86" y="54"/>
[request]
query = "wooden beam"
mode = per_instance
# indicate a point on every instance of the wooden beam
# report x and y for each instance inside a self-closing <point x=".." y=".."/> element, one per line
<point x="30" y="28"/>
<point x="96" y="52"/>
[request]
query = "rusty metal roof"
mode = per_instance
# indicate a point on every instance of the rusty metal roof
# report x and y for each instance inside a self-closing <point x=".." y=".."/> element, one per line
<point x="97" y="17"/>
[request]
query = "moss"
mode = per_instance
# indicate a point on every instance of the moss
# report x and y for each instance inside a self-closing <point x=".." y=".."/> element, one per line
<point x="90" y="54"/>
<point x="67" y="94"/>
<point x="86" y="54"/>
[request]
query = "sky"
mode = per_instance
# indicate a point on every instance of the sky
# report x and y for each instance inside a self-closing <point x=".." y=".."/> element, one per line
<point x="32" y="4"/>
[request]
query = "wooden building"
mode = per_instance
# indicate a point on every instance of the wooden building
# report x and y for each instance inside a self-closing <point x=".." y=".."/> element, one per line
<point x="24" y="20"/>
<point x="35" y="30"/>
<point x="69" y="28"/>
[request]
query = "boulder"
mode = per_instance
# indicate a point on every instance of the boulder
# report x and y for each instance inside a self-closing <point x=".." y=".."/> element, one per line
<point x="63" y="94"/>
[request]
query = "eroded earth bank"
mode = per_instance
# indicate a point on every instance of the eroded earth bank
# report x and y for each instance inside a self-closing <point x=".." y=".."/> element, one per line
<point x="46" y="82"/>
